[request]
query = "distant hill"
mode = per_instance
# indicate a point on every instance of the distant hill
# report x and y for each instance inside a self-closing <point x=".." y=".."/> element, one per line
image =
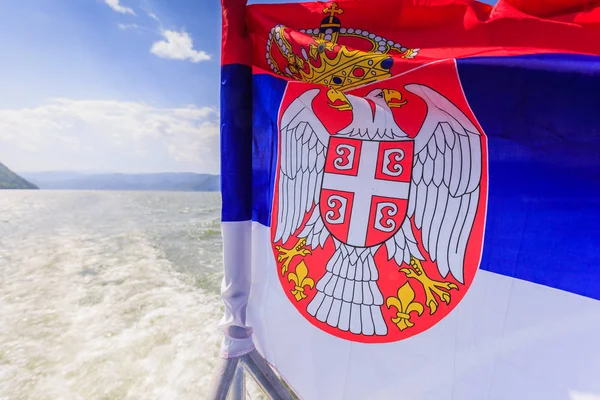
<point x="160" y="181"/>
<point x="10" y="180"/>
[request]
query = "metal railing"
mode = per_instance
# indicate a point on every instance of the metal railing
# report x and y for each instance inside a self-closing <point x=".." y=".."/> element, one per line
<point x="229" y="378"/>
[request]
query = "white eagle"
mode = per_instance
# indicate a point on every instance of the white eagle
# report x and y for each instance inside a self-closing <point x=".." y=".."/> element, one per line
<point x="443" y="198"/>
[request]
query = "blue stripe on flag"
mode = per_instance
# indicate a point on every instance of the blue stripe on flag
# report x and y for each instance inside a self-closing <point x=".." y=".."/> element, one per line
<point x="268" y="92"/>
<point x="236" y="142"/>
<point x="539" y="113"/>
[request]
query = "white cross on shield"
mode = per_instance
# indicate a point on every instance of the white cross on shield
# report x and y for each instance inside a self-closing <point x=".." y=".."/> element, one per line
<point x="364" y="195"/>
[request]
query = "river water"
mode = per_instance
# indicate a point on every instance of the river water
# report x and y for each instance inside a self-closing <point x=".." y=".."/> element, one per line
<point x="109" y="295"/>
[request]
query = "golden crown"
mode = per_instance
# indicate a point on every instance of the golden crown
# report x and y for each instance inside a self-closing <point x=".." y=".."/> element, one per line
<point x="317" y="56"/>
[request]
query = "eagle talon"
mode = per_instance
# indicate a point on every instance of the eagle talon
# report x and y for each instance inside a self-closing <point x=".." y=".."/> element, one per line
<point x="288" y="254"/>
<point x="431" y="286"/>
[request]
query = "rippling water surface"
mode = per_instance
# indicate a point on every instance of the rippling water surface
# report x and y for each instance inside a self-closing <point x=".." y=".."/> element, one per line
<point x="108" y="295"/>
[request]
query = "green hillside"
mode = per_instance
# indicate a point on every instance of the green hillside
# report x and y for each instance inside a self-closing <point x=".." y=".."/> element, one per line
<point x="10" y="180"/>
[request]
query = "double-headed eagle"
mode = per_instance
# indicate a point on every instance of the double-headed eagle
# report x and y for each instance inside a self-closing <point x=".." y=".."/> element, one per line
<point x="443" y="197"/>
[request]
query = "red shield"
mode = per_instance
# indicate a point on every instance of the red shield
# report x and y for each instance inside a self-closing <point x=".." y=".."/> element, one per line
<point x="365" y="188"/>
<point x="343" y="262"/>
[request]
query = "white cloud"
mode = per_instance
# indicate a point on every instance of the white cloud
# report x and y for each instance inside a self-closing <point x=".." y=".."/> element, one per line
<point x="178" y="46"/>
<point x="119" y="133"/>
<point x="128" y="26"/>
<point x="118" y="7"/>
<point x="153" y="16"/>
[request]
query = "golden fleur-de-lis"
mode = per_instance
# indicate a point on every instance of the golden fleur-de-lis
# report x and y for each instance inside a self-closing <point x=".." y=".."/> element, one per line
<point x="286" y="255"/>
<point x="301" y="279"/>
<point x="431" y="287"/>
<point x="405" y="304"/>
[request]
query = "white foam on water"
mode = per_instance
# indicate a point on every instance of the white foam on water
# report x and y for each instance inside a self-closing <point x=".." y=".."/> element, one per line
<point x="94" y="313"/>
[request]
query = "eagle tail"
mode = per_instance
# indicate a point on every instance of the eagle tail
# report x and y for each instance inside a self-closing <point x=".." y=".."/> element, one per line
<point x="348" y="297"/>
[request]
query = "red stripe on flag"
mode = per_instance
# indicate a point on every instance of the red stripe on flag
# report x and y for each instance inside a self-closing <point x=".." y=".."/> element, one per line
<point x="444" y="29"/>
<point x="235" y="47"/>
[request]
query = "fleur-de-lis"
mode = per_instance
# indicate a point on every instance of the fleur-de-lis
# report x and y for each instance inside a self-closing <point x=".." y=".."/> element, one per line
<point x="405" y="305"/>
<point x="286" y="255"/>
<point x="301" y="279"/>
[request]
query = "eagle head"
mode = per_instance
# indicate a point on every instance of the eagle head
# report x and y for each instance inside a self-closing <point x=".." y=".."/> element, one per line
<point x="372" y="116"/>
<point x="386" y="98"/>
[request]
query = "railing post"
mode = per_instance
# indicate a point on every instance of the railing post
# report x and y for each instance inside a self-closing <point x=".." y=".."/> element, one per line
<point x="229" y="378"/>
<point x="222" y="377"/>
<point x="238" y="388"/>
<point x="264" y="376"/>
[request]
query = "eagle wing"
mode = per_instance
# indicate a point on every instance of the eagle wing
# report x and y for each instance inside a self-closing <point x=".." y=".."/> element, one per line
<point x="303" y="148"/>
<point x="445" y="186"/>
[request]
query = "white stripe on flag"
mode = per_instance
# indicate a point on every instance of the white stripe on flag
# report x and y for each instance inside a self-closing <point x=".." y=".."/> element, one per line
<point x="508" y="339"/>
<point x="235" y="288"/>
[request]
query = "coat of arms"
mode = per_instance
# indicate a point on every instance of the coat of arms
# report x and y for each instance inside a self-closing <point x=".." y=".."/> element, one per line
<point x="377" y="221"/>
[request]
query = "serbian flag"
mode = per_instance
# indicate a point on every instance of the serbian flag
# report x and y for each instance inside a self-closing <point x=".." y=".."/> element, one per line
<point x="411" y="196"/>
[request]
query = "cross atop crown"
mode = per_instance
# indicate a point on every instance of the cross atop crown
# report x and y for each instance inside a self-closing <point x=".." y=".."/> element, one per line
<point x="332" y="10"/>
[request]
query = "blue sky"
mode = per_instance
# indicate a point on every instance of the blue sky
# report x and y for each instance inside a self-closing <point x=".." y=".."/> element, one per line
<point x="110" y="85"/>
